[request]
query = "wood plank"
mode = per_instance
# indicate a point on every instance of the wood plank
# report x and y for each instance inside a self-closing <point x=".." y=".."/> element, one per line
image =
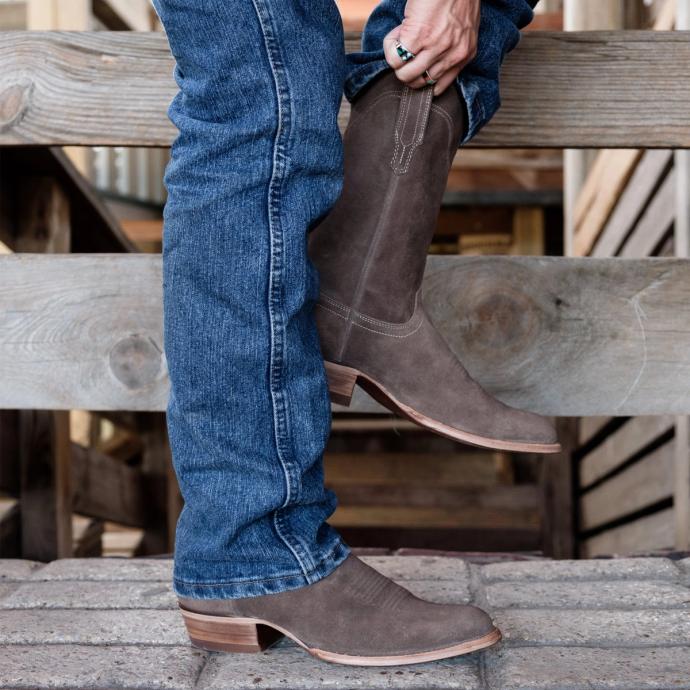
<point x="448" y="470"/>
<point x="430" y="517"/>
<point x="590" y="427"/>
<point x="641" y="485"/>
<point x="46" y="496"/>
<point x="681" y="484"/>
<point x="88" y="533"/>
<point x="622" y="444"/>
<point x="649" y="533"/>
<point x="443" y="539"/>
<point x="589" y="89"/>
<point x="609" y="176"/>
<point x="561" y="336"/>
<point x="13" y="15"/>
<point x="558" y="495"/>
<point x="506" y="497"/>
<point x="10" y="528"/>
<point x="632" y="202"/>
<point x="107" y="488"/>
<point x="9" y="451"/>
<point x="94" y="227"/>
<point x="681" y="493"/>
<point x="125" y="15"/>
<point x="44" y="225"/>
<point x="654" y="223"/>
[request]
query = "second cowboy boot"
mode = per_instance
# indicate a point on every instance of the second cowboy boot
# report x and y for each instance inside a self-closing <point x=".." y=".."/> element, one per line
<point x="354" y="616"/>
<point x="371" y="251"/>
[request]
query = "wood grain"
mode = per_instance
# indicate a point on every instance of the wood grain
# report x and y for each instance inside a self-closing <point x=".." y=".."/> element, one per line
<point x="650" y="533"/>
<point x="561" y="336"/>
<point x="609" y="177"/>
<point x="655" y="222"/>
<point x="621" y="445"/>
<point x="632" y="202"/>
<point x="590" y="89"/>
<point x="641" y="485"/>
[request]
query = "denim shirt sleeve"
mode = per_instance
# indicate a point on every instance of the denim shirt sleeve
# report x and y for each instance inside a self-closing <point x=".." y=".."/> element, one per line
<point x="478" y="83"/>
<point x="499" y="33"/>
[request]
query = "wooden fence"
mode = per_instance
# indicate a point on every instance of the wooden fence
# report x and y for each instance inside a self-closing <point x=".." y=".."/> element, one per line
<point x="562" y="336"/>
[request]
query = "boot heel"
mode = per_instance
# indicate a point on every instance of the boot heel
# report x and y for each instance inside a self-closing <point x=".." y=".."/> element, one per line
<point x="341" y="383"/>
<point x="222" y="634"/>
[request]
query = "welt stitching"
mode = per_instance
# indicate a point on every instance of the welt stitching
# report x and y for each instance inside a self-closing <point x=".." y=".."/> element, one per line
<point x="404" y="111"/>
<point x="420" y="138"/>
<point x="391" y="335"/>
<point x="335" y="303"/>
<point x="372" y="330"/>
<point x="364" y="317"/>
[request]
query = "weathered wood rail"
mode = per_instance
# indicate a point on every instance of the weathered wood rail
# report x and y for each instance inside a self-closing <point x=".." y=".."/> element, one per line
<point x="593" y="89"/>
<point x="561" y="336"/>
<point x="564" y="337"/>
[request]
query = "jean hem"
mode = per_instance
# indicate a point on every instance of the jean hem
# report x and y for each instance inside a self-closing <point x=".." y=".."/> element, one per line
<point x="240" y="589"/>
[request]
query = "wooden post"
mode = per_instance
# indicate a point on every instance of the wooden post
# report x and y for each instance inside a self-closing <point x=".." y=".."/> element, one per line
<point x="583" y="15"/>
<point x="43" y="225"/>
<point x="681" y="494"/>
<point x="63" y="15"/>
<point x="46" y="497"/>
<point x="558" y="494"/>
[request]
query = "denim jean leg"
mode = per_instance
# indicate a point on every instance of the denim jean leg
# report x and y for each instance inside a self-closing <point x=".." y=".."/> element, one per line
<point x="256" y="163"/>
<point x="478" y="83"/>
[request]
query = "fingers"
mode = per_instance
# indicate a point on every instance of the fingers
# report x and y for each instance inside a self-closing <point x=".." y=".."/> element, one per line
<point x="425" y="54"/>
<point x="445" y="81"/>
<point x="442" y="58"/>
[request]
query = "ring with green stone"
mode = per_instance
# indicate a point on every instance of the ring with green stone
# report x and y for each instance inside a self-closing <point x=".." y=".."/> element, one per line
<point x="403" y="53"/>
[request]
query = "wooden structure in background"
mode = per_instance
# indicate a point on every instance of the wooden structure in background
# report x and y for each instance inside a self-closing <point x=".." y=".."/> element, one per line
<point x="566" y="337"/>
<point x="634" y="473"/>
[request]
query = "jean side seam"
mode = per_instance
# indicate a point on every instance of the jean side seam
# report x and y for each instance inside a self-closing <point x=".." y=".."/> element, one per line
<point x="276" y="271"/>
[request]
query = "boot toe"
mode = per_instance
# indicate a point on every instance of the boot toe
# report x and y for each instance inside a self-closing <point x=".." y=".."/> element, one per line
<point x="471" y="623"/>
<point x="538" y="429"/>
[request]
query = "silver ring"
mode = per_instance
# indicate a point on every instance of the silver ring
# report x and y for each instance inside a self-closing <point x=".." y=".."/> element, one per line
<point x="403" y="53"/>
<point x="430" y="81"/>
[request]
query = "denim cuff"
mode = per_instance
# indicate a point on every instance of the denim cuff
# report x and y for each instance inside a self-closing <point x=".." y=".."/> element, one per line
<point x="221" y="588"/>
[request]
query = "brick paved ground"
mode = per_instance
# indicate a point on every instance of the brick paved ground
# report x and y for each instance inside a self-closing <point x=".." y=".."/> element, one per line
<point x="112" y="623"/>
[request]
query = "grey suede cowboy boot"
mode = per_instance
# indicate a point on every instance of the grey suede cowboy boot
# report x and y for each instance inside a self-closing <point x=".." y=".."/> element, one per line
<point x="353" y="616"/>
<point x="371" y="252"/>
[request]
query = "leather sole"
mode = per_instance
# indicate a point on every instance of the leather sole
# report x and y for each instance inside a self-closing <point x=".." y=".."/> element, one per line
<point x="341" y="384"/>
<point x="252" y="635"/>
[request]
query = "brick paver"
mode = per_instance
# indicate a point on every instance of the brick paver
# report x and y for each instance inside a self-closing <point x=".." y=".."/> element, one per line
<point x="573" y="668"/>
<point x="609" y="624"/>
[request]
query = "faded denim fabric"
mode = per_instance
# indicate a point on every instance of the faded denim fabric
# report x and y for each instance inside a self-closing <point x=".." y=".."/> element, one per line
<point x="257" y="163"/>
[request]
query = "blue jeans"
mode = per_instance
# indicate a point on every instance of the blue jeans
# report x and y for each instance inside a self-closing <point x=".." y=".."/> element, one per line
<point x="257" y="163"/>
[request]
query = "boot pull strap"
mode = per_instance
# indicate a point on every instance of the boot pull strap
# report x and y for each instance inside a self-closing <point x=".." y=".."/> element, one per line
<point x="413" y="115"/>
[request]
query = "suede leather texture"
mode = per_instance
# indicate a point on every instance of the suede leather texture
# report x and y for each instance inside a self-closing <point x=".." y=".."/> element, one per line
<point x="357" y="611"/>
<point x="371" y="253"/>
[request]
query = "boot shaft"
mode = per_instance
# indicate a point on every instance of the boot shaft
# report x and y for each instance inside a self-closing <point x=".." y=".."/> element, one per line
<point x="371" y="249"/>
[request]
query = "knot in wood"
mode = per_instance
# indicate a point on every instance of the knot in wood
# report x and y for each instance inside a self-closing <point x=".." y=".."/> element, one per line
<point x="136" y="361"/>
<point x="503" y="320"/>
<point x="14" y="102"/>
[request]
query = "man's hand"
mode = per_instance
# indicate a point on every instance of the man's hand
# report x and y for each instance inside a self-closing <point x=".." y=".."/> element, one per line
<point x="442" y="34"/>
